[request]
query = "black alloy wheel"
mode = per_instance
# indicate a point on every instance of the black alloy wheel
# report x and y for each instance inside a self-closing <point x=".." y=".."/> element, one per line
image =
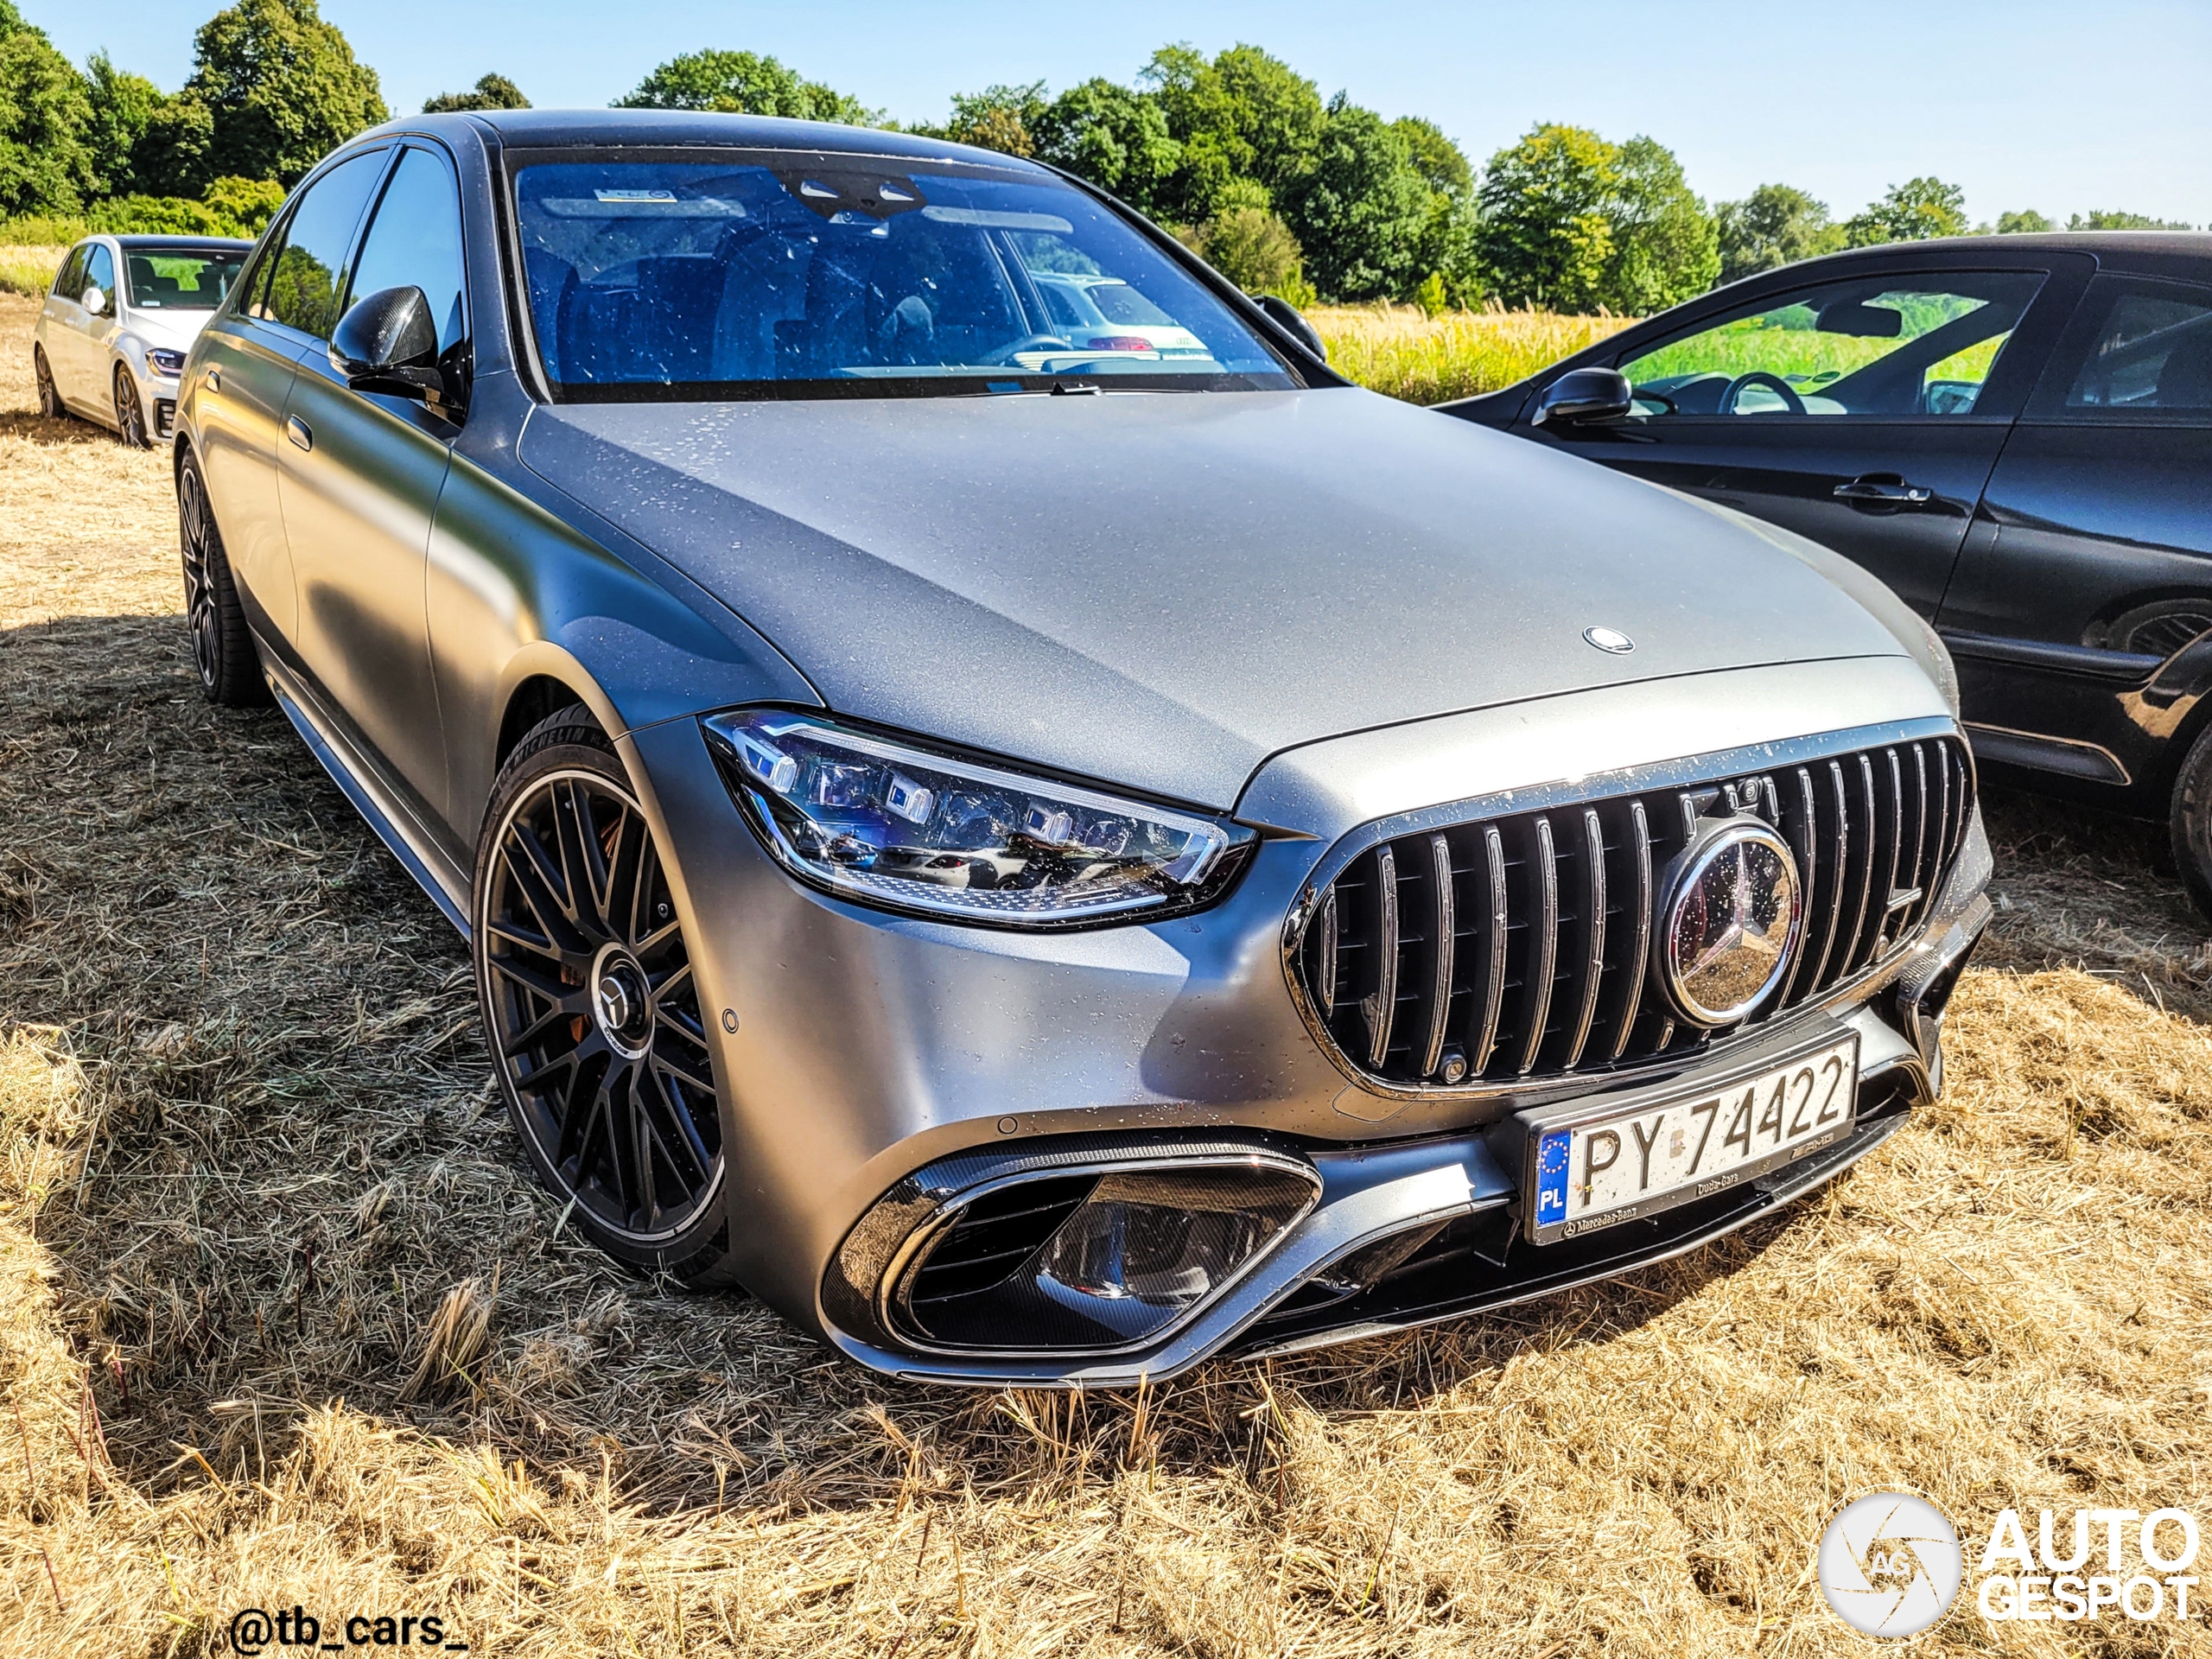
<point x="222" y="649"/>
<point x="49" y="395"/>
<point x="590" y="1007"/>
<point x="129" y="413"/>
<point x="2191" y="823"/>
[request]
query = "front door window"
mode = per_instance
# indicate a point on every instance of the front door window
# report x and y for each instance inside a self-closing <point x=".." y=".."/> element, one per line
<point x="1880" y="346"/>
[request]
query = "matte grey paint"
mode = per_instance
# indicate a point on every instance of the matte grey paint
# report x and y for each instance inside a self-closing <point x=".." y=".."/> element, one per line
<point x="1320" y="606"/>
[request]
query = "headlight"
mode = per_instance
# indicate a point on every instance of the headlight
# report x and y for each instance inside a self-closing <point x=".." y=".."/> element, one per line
<point x="883" y="824"/>
<point x="164" y="361"/>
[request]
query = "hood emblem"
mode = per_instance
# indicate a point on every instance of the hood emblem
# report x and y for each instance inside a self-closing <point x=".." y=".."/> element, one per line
<point x="1612" y="639"/>
<point x="1729" y="923"/>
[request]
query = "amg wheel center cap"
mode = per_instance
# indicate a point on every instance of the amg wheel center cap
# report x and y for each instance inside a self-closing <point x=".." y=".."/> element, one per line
<point x="1729" y="923"/>
<point x="622" y="1003"/>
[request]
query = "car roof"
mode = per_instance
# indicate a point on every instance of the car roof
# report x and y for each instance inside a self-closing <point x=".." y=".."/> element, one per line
<point x="676" y="129"/>
<point x="2166" y="253"/>
<point x="183" y="243"/>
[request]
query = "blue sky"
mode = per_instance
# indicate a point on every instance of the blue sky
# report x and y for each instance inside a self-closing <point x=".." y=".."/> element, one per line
<point x="2061" y="107"/>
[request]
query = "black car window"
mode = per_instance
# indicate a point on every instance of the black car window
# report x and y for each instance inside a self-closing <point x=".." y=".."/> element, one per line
<point x="414" y="241"/>
<point x="1887" y="346"/>
<point x="2138" y="347"/>
<point x="99" y="272"/>
<point x="69" y="281"/>
<point x="306" y="274"/>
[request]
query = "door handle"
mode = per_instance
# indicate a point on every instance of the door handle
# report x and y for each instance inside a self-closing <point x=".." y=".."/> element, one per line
<point x="214" y="378"/>
<point x="1894" y="492"/>
<point x="299" y="432"/>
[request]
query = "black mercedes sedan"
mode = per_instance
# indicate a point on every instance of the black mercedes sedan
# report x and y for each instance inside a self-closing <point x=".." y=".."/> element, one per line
<point x="2014" y="432"/>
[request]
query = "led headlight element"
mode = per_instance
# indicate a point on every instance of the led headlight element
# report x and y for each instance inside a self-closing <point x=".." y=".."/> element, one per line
<point x="885" y="823"/>
<point x="165" y="361"/>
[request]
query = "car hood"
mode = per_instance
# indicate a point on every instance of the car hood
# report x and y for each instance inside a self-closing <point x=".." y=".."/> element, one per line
<point x="176" y="330"/>
<point x="1160" y="590"/>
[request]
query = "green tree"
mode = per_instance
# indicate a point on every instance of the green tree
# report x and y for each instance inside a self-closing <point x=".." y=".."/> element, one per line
<point x="1116" y="137"/>
<point x="490" y="92"/>
<point x="122" y="106"/>
<point x="1359" y="209"/>
<point x="2024" y="221"/>
<point x="1547" y="233"/>
<point x="743" y="83"/>
<point x="171" y="157"/>
<point x="282" y="89"/>
<point x="1910" y="211"/>
<point x="1003" y="118"/>
<point x="1665" y="249"/>
<point x="1775" y="224"/>
<point x="1440" y="161"/>
<point x="244" y="204"/>
<point x="45" y="166"/>
<point x="2101" y="219"/>
<point x="1253" y="248"/>
<point x="1241" y="114"/>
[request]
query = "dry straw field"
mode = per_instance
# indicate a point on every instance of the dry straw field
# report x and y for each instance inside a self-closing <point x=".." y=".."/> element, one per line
<point x="283" y="1321"/>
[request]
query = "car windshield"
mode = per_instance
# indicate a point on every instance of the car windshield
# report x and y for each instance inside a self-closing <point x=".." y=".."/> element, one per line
<point x="815" y="275"/>
<point x="181" y="279"/>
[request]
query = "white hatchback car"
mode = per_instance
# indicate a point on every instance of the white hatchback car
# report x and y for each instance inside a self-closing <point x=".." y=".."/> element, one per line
<point x="121" y="315"/>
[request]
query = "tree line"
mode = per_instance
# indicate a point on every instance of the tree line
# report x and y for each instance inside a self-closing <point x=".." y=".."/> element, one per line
<point x="1284" y="190"/>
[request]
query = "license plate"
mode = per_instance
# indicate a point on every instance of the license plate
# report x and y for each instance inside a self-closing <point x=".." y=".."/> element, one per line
<point x="1621" y="1162"/>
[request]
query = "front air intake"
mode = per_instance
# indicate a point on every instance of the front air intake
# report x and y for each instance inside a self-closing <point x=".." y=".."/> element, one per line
<point x="1518" y="946"/>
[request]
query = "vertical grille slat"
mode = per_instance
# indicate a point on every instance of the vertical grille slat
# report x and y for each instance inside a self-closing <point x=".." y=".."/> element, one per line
<point x="1593" y="933"/>
<point x="1521" y="944"/>
<point x="1638" y="959"/>
<point x="1441" y="932"/>
<point x="1501" y="917"/>
<point x="1381" y="1005"/>
<point x="1543" y="947"/>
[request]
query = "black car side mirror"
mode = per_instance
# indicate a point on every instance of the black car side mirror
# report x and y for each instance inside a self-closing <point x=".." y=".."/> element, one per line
<point x="1285" y="316"/>
<point x="1584" y="395"/>
<point x="388" y="342"/>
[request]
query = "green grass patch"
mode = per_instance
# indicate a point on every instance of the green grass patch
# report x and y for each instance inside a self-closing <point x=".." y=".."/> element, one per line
<point x="1399" y="351"/>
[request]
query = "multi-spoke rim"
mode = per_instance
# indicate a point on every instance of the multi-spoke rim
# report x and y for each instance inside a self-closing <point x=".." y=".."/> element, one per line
<point x="593" y="1012"/>
<point x="129" y="415"/>
<point x="49" y="396"/>
<point x="197" y="533"/>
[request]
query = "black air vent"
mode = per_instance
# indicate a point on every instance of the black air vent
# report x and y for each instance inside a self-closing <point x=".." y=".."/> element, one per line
<point x="1516" y="946"/>
<point x="995" y="1235"/>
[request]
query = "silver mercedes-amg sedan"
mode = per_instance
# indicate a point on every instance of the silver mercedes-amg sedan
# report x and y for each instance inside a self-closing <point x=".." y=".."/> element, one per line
<point x="1050" y="851"/>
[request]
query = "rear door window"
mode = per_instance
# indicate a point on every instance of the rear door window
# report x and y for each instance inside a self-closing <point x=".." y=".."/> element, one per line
<point x="69" y="282"/>
<point x="308" y="272"/>
<point x="2139" y="348"/>
<point x="1883" y="346"/>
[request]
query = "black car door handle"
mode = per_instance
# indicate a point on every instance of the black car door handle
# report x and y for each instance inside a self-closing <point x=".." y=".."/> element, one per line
<point x="1886" y="489"/>
<point x="299" y="432"/>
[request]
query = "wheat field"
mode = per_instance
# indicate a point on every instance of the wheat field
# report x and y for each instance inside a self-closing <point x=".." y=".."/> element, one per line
<point x="284" y="1320"/>
<point x="1396" y="349"/>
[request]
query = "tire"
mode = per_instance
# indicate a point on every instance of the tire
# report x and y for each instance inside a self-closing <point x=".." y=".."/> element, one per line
<point x="590" y="1008"/>
<point x="222" y="647"/>
<point x="49" y="395"/>
<point x="2191" y="821"/>
<point x="130" y="412"/>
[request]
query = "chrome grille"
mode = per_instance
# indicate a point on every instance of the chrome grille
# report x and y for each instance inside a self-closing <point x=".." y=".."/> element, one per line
<point x="1515" y="946"/>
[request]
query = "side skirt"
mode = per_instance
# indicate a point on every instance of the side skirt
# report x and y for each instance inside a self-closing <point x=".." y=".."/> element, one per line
<point x="395" y="826"/>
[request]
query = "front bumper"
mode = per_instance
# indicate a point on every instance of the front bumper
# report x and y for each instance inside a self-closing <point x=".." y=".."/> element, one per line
<point x="857" y="1050"/>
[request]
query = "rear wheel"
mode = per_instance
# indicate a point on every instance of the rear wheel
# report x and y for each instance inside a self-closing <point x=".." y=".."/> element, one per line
<point x="49" y="395"/>
<point x="590" y="1007"/>
<point x="222" y="648"/>
<point x="2192" y="821"/>
<point x="129" y="413"/>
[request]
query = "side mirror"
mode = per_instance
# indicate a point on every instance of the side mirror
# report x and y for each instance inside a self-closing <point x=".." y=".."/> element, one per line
<point x="1285" y="316"/>
<point x="1582" y="394"/>
<point x="388" y="342"/>
<point x="93" y="300"/>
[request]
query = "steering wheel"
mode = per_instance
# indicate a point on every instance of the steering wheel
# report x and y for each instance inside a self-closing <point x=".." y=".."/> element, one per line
<point x="1029" y="343"/>
<point x="1773" y="383"/>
